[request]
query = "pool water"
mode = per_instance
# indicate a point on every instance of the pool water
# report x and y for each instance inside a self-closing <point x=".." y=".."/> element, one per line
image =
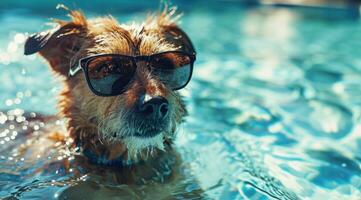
<point x="274" y="105"/>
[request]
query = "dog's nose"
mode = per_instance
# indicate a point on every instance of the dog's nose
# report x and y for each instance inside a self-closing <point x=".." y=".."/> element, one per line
<point x="156" y="107"/>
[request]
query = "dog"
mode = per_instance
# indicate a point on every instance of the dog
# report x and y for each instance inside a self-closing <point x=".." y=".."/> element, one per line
<point x="120" y="94"/>
<point x="120" y="99"/>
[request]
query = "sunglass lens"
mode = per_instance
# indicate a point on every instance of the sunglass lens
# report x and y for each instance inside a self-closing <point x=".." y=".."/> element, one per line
<point x="109" y="75"/>
<point x="173" y="68"/>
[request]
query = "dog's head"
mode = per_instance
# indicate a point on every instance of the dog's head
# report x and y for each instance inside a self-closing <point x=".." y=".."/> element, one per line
<point x="142" y="111"/>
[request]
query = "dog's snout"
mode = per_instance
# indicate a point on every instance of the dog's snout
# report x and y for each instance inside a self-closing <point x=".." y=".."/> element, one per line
<point x="155" y="107"/>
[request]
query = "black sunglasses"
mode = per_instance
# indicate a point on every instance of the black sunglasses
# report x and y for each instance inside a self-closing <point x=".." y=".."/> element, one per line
<point x="109" y="74"/>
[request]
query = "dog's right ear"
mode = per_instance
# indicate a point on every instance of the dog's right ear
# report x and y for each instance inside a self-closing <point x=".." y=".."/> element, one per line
<point x="37" y="41"/>
<point x="60" y="44"/>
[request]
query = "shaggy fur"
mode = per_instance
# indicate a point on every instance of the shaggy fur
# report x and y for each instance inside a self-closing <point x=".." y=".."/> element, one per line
<point x="103" y="124"/>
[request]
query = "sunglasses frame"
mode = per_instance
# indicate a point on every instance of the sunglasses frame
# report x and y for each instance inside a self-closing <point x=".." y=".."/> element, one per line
<point x="83" y="65"/>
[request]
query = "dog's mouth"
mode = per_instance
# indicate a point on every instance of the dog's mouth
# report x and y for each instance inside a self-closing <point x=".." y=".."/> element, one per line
<point x="137" y="134"/>
<point x="148" y="133"/>
<point x="153" y="139"/>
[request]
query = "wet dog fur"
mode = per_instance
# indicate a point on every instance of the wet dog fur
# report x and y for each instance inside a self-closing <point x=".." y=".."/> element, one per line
<point x="104" y="125"/>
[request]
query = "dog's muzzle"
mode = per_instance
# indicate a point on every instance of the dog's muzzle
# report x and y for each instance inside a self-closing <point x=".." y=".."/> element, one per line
<point x="153" y="113"/>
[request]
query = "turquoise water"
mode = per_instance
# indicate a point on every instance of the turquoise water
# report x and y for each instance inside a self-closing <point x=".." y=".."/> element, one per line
<point x="274" y="104"/>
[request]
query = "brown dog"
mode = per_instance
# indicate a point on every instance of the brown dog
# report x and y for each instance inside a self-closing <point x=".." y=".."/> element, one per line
<point x="120" y="81"/>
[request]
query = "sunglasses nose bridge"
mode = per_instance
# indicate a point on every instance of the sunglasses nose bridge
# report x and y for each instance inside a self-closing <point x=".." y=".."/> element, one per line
<point x="141" y="63"/>
<point x="141" y="60"/>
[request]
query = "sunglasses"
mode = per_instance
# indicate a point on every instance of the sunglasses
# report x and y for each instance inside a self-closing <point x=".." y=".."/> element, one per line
<point x="110" y="74"/>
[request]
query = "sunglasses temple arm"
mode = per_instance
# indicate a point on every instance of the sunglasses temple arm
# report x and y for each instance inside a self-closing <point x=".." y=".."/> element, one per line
<point x="73" y="71"/>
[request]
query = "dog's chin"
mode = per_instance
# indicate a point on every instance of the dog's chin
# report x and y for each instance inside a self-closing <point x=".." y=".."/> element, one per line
<point x="138" y="143"/>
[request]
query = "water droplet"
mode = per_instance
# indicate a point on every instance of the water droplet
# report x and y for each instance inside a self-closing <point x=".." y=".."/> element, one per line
<point x="18" y="119"/>
<point x="17" y="101"/>
<point x="3" y="134"/>
<point x="3" y="118"/>
<point x="32" y="114"/>
<point x="19" y="38"/>
<point x="16" y="111"/>
<point x="9" y="102"/>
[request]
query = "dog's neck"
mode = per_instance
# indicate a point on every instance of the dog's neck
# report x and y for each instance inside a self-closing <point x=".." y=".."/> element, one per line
<point x="100" y="153"/>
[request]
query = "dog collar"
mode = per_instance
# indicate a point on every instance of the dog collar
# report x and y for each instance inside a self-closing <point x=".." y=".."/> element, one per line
<point x="102" y="160"/>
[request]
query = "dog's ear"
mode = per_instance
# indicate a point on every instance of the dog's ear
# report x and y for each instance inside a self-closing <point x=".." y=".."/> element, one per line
<point x="60" y="44"/>
<point x="178" y="37"/>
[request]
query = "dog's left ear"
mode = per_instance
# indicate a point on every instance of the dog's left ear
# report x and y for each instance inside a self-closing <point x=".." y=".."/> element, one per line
<point x="178" y="37"/>
<point x="60" y="44"/>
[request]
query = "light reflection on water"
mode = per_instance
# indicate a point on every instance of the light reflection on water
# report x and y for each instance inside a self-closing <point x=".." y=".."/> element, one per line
<point x="274" y="111"/>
